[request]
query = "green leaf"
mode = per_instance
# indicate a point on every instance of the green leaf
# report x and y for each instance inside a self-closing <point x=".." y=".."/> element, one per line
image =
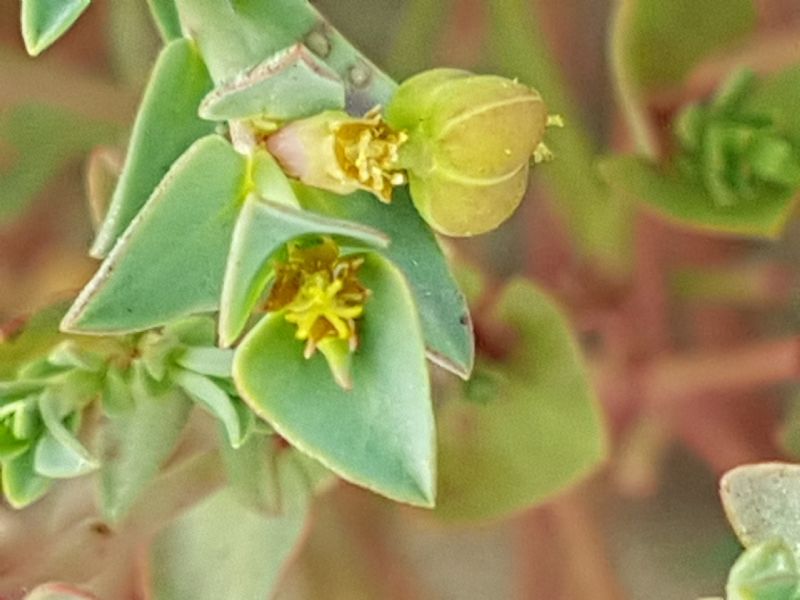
<point x="215" y="400"/>
<point x="69" y="354"/>
<point x="235" y="36"/>
<point x="10" y="445"/>
<point x="263" y="229"/>
<point x="59" y="454"/>
<point x="380" y="434"/>
<point x="686" y="30"/>
<point x="22" y="486"/>
<point x="134" y="443"/>
<point x="12" y="390"/>
<point x="44" y="21"/>
<point x="165" y="15"/>
<point x="290" y="85"/>
<point x="167" y="124"/>
<point x="171" y="260"/>
<point x="775" y="97"/>
<point x="116" y="396"/>
<point x="442" y="308"/>
<point x="536" y="432"/>
<point x="215" y="362"/>
<point x="252" y="472"/>
<point x="761" y="502"/>
<point x="222" y="549"/>
<point x="41" y="141"/>
<point x="686" y="202"/>
<point x="767" y="571"/>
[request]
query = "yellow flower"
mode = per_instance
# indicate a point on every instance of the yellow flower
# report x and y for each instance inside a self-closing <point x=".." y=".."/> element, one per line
<point x="319" y="292"/>
<point x="340" y="153"/>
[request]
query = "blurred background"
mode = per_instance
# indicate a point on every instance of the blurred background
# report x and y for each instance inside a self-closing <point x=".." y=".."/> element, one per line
<point x="648" y="525"/>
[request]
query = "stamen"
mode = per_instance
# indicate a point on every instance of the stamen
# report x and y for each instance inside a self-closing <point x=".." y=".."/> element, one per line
<point x="368" y="151"/>
<point x="319" y="293"/>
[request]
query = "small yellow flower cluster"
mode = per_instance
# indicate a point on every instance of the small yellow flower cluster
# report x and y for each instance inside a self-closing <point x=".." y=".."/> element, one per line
<point x="319" y="291"/>
<point x="367" y="150"/>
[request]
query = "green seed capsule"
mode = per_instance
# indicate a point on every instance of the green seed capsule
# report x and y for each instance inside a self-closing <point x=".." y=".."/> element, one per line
<point x="470" y="142"/>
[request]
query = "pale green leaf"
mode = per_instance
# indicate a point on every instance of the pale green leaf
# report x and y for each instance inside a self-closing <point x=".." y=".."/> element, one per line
<point x="442" y="308"/>
<point x="171" y="260"/>
<point x="222" y="549"/>
<point x="215" y="400"/>
<point x="290" y="85"/>
<point x="215" y="362"/>
<point x="686" y="201"/>
<point x="136" y="441"/>
<point x="165" y="15"/>
<point x="252" y="471"/>
<point x="687" y="30"/>
<point x="44" y="21"/>
<point x="762" y="502"/>
<point x="167" y="124"/>
<point x="379" y="434"/>
<point x="535" y="427"/>
<point x="767" y="571"/>
<point x="59" y="454"/>
<point x="22" y="486"/>
<point x="236" y="36"/>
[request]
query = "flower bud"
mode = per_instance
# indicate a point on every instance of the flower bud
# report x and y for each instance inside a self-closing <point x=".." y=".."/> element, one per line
<point x="470" y="142"/>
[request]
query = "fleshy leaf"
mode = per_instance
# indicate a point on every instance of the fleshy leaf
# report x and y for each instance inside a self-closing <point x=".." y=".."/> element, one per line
<point x="689" y="30"/>
<point x="687" y="202"/>
<point x="22" y="486"/>
<point x="44" y="21"/>
<point x="767" y="571"/>
<point x="171" y="260"/>
<point x="165" y="15"/>
<point x="59" y="454"/>
<point x="290" y="85"/>
<point x="222" y="549"/>
<point x="252" y="472"/>
<point x="236" y="36"/>
<point x="533" y="426"/>
<point x="167" y="124"/>
<point x="380" y="434"/>
<point x="762" y="502"/>
<point x="214" y="399"/>
<point x="263" y="229"/>
<point x="215" y="362"/>
<point x="442" y="307"/>
<point x="135" y="442"/>
<point x="775" y="97"/>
